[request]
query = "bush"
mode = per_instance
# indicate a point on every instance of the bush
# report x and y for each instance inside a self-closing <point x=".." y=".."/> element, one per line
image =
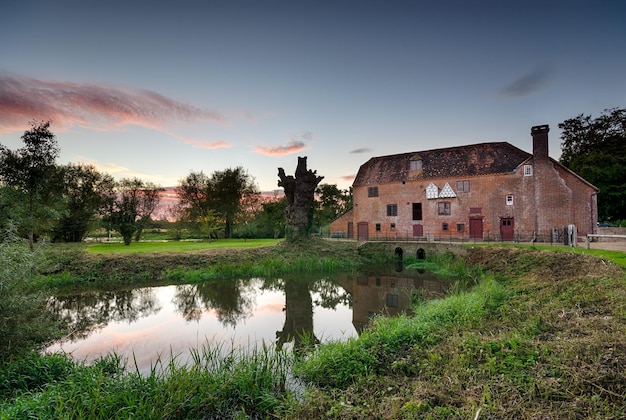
<point x="24" y="325"/>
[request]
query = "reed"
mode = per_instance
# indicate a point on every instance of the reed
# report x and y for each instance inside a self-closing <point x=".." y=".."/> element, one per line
<point x="269" y="267"/>
<point x="214" y="384"/>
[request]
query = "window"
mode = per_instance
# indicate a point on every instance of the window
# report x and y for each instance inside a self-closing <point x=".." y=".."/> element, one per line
<point x="392" y="209"/>
<point x="444" y="208"/>
<point x="416" y="164"/>
<point x="377" y="227"/>
<point x="444" y="227"/>
<point x="392" y="301"/>
<point x="393" y="227"/>
<point x="372" y="192"/>
<point x="463" y="186"/>
<point x="417" y="211"/>
<point x="460" y="227"/>
<point x="509" y="200"/>
<point x="528" y="170"/>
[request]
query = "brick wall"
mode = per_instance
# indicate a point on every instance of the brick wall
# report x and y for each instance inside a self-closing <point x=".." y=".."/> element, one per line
<point x="552" y="197"/>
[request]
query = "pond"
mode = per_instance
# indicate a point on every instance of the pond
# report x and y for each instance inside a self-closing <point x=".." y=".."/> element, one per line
<point x="151" y="323"/>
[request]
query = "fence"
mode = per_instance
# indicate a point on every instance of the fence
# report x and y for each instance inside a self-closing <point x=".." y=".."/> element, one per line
<point x="552" y="237"/>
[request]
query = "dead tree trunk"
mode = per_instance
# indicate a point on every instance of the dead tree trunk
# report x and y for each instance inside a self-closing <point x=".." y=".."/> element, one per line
<point x="300" y="195"/>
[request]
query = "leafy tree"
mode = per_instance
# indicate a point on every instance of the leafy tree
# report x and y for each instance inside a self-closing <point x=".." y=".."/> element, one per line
<point x="231" y="188"/>
<point x="595" y="148"/>
<point x="225" y="192"/>
<point x="332" y="202"/>
<point x="271" y="220"/>
<point x="194" y="199"/>
<point x="129" y="203"/>
<point x="83" y="193"/>
<point x="32" y="180"/>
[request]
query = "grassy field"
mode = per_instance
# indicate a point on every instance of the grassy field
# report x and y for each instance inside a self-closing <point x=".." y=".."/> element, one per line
<point x="177" y="246"/>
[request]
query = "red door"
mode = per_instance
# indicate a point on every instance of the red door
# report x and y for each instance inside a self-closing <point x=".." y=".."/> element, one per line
<point x="418" y="230"/>
<point x="507" y="228"/>
<point x="476" y="228"/>
<point x="362" y="231"/>
<point x="350" y="230"/>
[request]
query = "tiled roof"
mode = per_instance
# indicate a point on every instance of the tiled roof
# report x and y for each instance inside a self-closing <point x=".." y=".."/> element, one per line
<point x="462" y="161"/>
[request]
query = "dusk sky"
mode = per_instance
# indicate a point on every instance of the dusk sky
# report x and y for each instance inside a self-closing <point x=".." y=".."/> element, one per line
<point x="157" y="89"/>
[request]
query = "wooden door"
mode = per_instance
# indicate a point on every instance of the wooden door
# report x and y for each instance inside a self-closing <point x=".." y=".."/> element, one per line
<point x="418" y="230"/>
<point x="476" y="228"/>
<point x="362" y="231"/>
<point x="350" y="230"/>
<point x="507" y="228"/>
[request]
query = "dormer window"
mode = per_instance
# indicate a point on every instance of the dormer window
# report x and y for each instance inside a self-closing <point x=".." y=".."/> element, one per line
<point x="416" y="164"/>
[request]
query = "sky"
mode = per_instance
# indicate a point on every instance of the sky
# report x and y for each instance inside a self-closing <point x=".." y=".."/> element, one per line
<point x="157" y="89"/>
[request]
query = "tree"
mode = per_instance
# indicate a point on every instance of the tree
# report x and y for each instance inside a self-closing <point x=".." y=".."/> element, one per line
<point x="32" y="180"/>
<point x="596" y="150"/>
<point x="300" y="195"/>
<point x="225" y="192"/>
<point x="194" y="201"/>
<point x="129" y="203"/>
<point x="270" y="220"/>
<point x="83" y="194"/>
<point x="331" y="203"/>
<point x="230" y="189"/>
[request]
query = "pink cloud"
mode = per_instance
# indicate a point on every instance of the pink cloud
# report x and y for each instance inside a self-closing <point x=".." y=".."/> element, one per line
<point x="204" y="144"/>
<point x="91" y="106"/>
<point x="294" y="146"/>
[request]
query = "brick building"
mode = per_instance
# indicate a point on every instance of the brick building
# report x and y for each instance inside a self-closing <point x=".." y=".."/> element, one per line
<point x="479" y="191"/>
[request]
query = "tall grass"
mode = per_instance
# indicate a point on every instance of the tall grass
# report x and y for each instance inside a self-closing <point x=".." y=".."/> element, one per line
<point x="388" y="340"/>
<point x="266" y="267"/>
<point x="237" y="384"/>
<point x="23" y="325"/>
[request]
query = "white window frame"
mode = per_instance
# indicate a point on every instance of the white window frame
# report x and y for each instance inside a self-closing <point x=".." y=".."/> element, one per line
<point x="528" y="170"/>
<point x="509" y="200"/>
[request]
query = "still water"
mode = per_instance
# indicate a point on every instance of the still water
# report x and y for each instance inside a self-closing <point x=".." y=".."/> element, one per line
<point x="148" y="323"/>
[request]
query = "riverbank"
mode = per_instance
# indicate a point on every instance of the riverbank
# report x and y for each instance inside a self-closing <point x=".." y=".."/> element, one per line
<point x="543" y="335"/>
<point x="554" y="348"/>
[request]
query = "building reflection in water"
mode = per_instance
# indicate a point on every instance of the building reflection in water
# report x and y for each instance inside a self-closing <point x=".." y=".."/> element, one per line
<point x="389" y="294"/>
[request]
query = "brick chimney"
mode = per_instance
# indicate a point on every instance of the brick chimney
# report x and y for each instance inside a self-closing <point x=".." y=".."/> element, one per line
<point x="540" y="141"/>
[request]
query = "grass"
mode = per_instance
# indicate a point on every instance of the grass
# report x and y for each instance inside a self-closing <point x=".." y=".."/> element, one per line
<point x="618" y="257"/>
<point x="216" y="384"/>
<point x="178" y="246"/>
<point x="541" y="335"/>
<point x="388" y="342"/>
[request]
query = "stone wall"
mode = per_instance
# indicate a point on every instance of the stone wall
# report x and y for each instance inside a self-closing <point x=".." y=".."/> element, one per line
<point x="611" y="231"/>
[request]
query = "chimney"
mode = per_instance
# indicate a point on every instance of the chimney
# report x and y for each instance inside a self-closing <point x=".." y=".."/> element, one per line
<point x="540" y="141"/>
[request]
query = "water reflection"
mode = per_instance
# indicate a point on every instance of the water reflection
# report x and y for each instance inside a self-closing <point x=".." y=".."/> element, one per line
<point x="389" y="294"/>
<point x="298" y="311"/>
<point x="231" y="300"/>
<point x="87" y="312"/>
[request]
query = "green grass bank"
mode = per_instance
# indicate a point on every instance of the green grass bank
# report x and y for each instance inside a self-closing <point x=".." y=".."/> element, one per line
<point x="541" y="334"/>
